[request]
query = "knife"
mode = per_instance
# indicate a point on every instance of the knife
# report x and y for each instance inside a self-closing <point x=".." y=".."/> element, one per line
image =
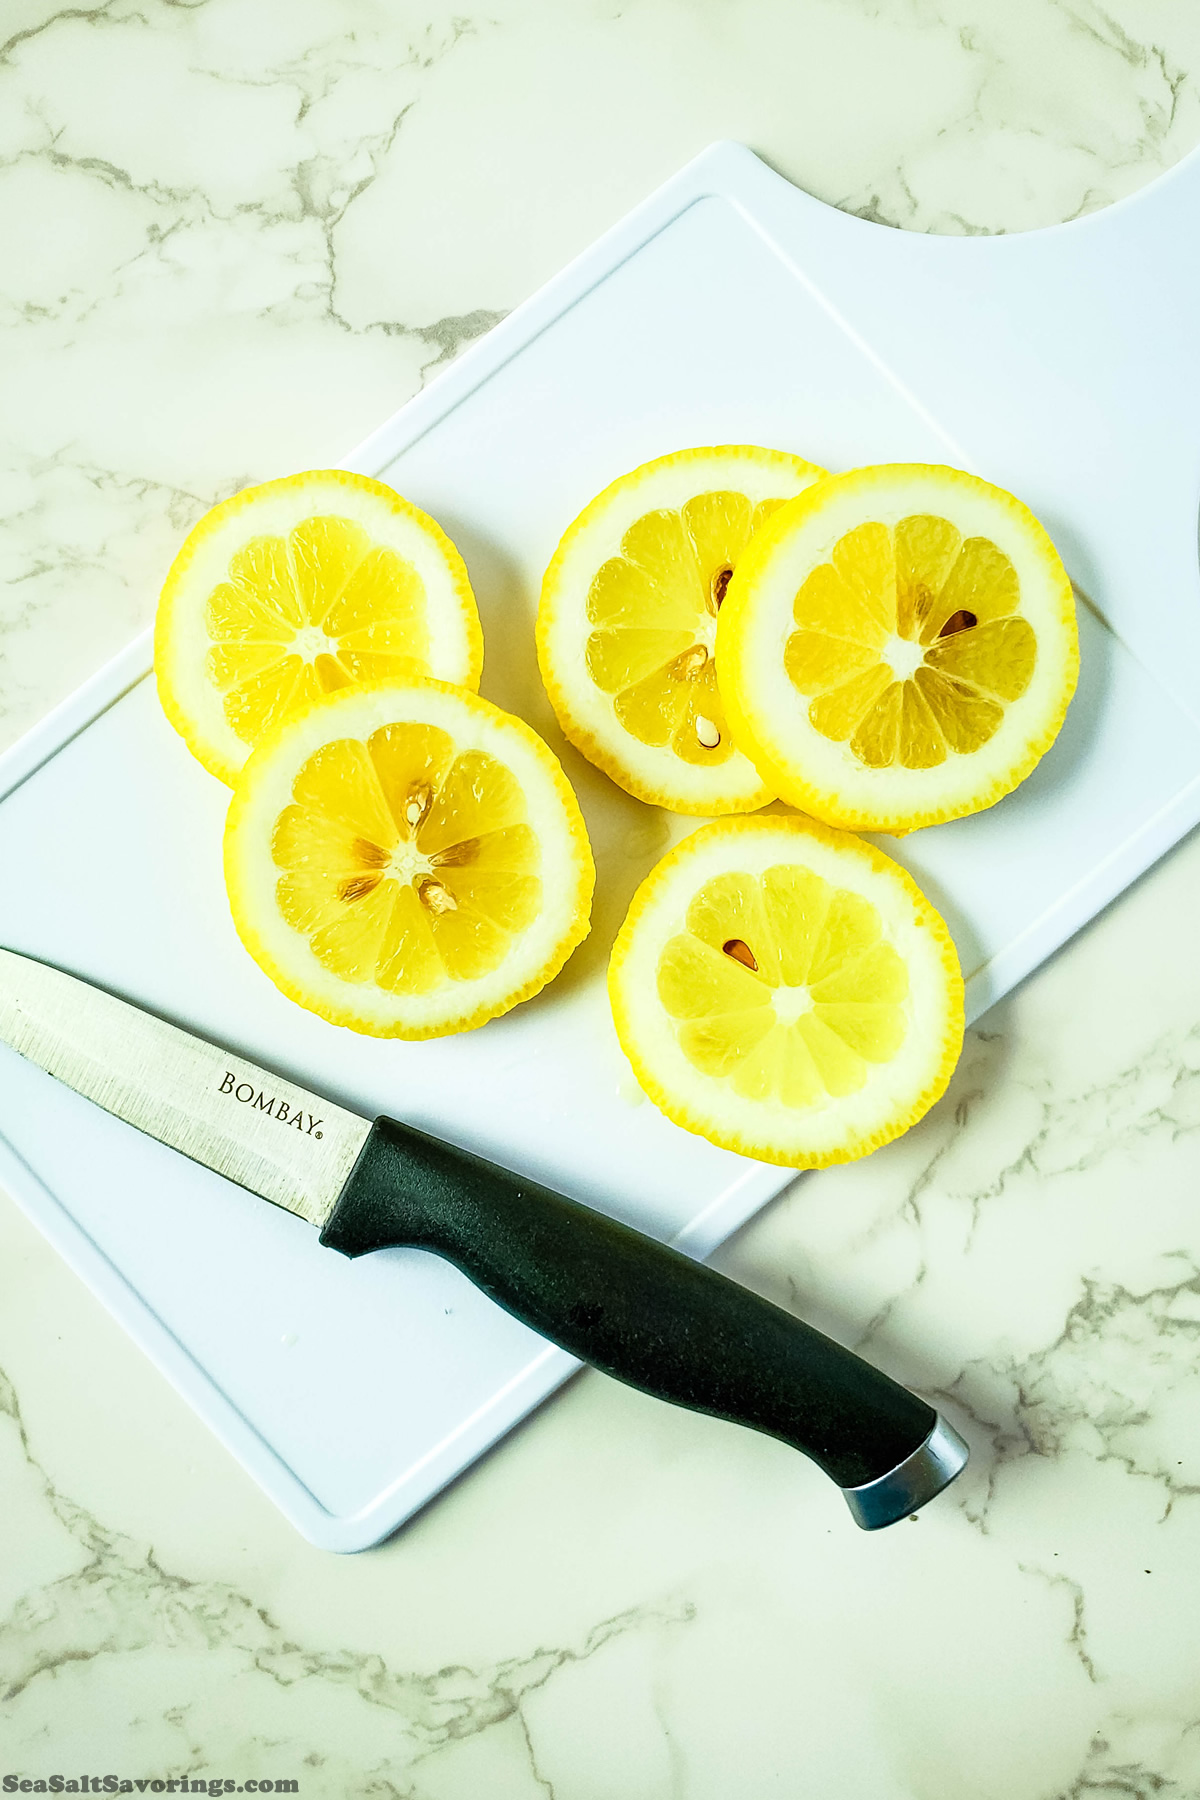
<point x="606" y="1293"/>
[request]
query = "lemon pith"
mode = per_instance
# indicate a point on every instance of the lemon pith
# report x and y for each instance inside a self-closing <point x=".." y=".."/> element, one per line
<point x="407" y="860"/>
<point x="898" y="647"/>
<point x="298" y="588"/>
<point x="786" y="991"/>
<point x="628" y="618"/>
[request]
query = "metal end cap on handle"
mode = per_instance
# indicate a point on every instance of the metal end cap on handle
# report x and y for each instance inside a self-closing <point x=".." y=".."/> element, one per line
<point x="931" y="1467"/>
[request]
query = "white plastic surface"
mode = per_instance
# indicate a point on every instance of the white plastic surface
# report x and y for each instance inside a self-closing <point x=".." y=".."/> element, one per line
<point x="728" y="308"/>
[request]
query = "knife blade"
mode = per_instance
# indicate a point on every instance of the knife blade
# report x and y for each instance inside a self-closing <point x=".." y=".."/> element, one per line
<point x="610" y="1295"/>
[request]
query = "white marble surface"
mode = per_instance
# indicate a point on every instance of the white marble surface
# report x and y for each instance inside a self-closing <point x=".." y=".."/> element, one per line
<point x="234" y="236"/>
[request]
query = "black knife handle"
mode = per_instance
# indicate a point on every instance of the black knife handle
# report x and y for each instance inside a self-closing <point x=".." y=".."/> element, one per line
<point x="648" y="1315"/>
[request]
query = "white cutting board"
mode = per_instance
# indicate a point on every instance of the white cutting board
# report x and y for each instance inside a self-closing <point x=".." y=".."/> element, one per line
<point x="728" y="308"/>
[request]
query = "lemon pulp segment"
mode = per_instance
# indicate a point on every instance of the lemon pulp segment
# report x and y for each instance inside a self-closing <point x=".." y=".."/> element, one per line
<point x="404" y="862"/>
<point x="784" y="985"/>
<point x="911" y="641"/>
<point x="302" y="615"/>
<point x="653" y="612"/>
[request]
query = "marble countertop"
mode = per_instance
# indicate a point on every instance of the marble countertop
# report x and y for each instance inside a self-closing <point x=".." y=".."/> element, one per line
<point x="235" y="236"/>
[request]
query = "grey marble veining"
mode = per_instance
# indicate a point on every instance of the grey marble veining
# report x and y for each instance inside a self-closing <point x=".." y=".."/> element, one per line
<point x="236" y="237"/>
<point x="68" y="1642"/>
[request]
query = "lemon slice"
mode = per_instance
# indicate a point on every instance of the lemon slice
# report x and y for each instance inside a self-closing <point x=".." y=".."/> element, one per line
<point x="898" y="647"/>
<point x="407" y="860"/>
<point x="786" y="991"/>
<point x="297" y="588"/>
<point x="628" y="620"/>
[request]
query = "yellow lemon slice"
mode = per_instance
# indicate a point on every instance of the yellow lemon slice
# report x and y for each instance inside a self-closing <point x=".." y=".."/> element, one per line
<point x="787" y="991"/>
<point x="407" y="860"/>
<point x="628" y="620"/>
<point x="898" y="647"/>
<point x="297" y="588"/>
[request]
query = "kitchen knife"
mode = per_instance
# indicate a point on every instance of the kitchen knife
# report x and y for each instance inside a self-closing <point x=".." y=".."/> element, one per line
<point x="608" y="1294"/>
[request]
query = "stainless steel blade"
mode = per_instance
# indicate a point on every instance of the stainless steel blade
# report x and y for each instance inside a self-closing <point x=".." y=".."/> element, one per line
<point x="283" y="1143"/>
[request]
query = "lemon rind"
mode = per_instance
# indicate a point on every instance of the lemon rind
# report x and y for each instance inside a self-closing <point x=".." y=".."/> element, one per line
<point x="734" y="650"/>
<point x="697" y="794"/>
<point x="243" y="837"/>
<point x="942" y="1058"/>
<point x="169" y="666"/>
